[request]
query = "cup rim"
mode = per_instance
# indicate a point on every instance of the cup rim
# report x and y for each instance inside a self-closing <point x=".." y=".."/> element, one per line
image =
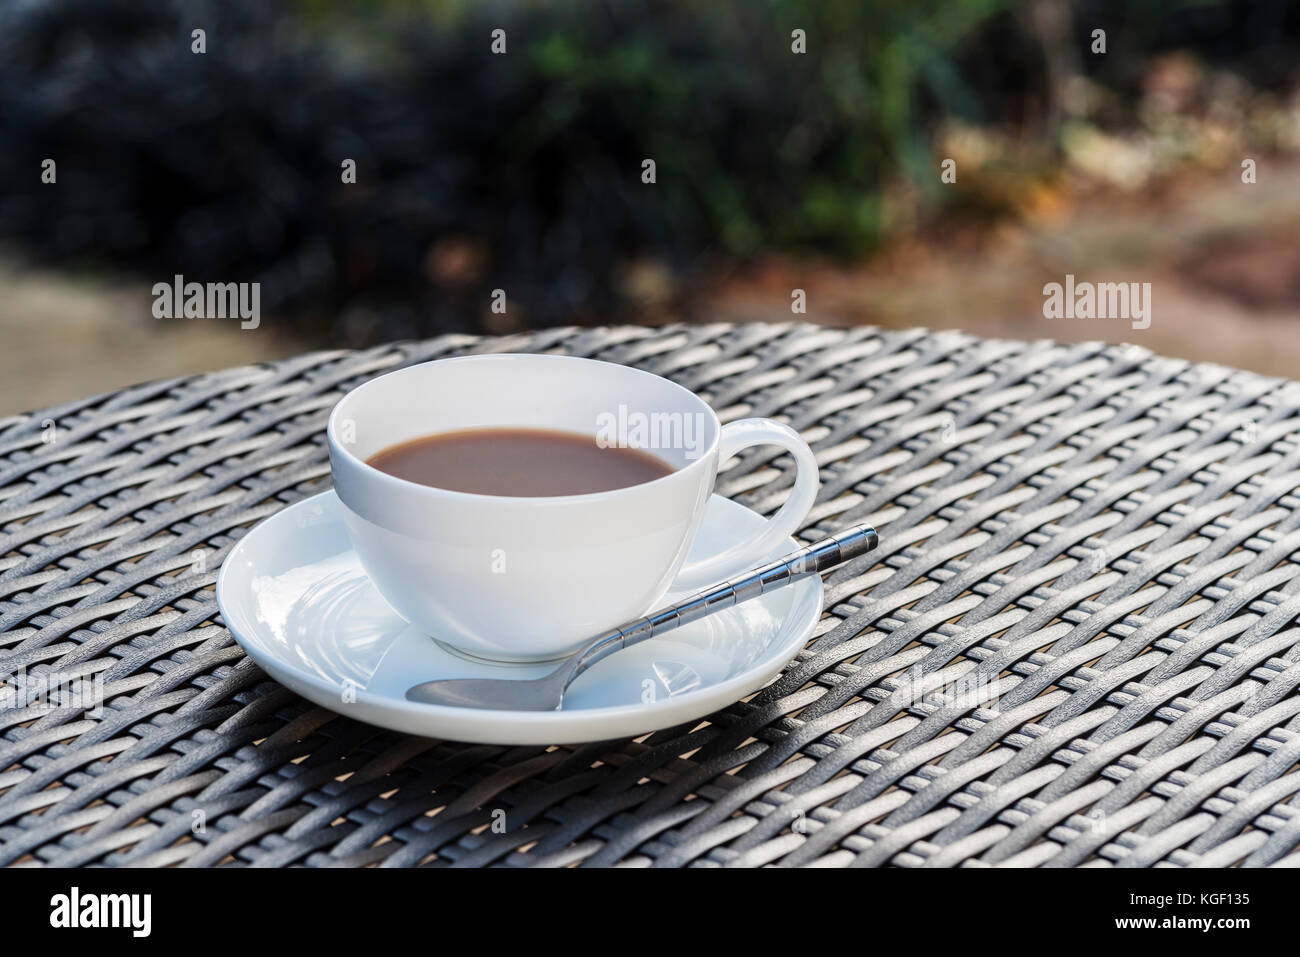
<point x="396" y="483"/>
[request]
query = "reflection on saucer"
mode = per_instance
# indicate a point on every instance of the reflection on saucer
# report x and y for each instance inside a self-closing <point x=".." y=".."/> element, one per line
<point x="328" y="616"/>
<point x="675" y="677"/>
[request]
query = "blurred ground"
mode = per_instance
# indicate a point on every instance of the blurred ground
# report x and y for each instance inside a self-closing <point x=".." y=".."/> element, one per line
<point x="67" y="338"/>
<point x="1221" y="257"/>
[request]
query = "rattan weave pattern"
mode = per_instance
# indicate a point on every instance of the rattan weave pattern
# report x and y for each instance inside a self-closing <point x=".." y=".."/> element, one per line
<point x="1077" y="644"/>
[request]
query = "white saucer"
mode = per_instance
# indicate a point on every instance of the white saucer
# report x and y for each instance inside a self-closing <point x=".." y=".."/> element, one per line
<point x="295" y="597"/>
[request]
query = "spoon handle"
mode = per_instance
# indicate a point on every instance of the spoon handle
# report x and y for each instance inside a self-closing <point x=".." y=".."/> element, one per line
<point x="810" y="560"/>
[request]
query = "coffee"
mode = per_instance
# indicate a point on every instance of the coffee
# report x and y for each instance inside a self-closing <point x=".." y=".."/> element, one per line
<point x="519" y="462"/>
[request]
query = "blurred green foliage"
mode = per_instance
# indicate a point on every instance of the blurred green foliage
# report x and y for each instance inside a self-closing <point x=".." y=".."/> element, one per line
<point x="755" y="145"/>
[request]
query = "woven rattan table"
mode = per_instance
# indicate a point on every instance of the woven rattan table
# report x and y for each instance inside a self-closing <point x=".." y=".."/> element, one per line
<point x="1076" y="646"/>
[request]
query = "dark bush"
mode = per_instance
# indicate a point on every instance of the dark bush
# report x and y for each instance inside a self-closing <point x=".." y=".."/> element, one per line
<point x="475" y="171"/>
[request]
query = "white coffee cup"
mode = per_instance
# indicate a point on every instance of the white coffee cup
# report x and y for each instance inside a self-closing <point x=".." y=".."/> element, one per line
<point x="530" y="578"/>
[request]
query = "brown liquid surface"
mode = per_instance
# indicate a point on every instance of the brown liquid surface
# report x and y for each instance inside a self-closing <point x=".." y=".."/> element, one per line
<point x="524" y="462"/>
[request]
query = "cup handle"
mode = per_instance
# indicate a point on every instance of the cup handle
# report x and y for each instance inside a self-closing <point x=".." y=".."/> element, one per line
<point x="758" y="548"/>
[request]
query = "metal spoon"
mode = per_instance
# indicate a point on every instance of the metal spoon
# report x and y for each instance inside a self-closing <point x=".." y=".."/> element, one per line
<point x="547" y="693"/>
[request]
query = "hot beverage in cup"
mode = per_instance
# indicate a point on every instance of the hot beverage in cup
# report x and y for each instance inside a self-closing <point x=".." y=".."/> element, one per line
<point x="524" y="462"/>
